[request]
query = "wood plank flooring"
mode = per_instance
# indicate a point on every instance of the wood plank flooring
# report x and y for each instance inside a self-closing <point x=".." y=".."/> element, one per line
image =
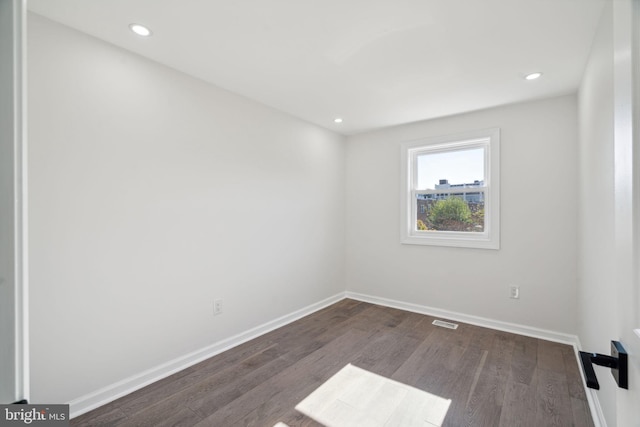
<point x="493" y="378"/>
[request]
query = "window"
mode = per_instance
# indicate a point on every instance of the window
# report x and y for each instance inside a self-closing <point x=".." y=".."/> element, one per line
<point x="451" y="190"/>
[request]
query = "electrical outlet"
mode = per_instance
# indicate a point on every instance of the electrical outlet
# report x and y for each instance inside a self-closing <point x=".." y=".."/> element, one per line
<point x="514" y="292"/>
<point x="217" y="307"/>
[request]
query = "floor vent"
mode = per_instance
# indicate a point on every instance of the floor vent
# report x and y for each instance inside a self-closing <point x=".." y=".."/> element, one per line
<point x="444" y="324"/>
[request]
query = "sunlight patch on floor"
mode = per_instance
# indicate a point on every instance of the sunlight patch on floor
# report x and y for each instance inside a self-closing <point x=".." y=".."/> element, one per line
<point x="357" y="397"/>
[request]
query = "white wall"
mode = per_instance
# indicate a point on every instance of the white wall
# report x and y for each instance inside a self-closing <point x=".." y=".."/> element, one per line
<point x="596" y="257"/>
<point x="538" y="221"/>
<point x="152" y="194"/>
<point x="10" y="140"/>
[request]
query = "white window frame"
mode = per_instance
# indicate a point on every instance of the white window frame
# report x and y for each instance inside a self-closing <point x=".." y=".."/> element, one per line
<point x="489" y="139"/>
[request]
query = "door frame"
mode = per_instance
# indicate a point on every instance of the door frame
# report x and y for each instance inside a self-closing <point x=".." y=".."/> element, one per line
<point x="16" y="142"/>
<point x="626" y="62"/>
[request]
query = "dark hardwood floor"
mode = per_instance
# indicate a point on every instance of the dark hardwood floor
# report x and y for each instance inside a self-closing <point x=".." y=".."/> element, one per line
<point x="493" y="378"/>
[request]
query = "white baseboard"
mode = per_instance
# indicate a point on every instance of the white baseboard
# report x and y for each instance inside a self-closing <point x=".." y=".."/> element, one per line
<point x="592" y="396"/>
<point x="572" y="340"/>
<point x="466" y="318"/>
<point x="114" y="391"/>
<point x="596" y="409"/>
<point x="594" y="405"/>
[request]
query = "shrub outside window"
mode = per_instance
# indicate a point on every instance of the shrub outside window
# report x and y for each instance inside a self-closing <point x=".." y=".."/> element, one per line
<point x="451" y="190"/>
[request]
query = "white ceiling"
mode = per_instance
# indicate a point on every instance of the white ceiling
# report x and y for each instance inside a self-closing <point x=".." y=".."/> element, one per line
<point x="375" y="63"/>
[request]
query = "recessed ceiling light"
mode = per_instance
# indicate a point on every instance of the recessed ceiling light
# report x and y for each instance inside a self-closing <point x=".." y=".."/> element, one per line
<point x="533" y="76"/>
<point x="337" y="120"/>
<point x="140" y="30"/>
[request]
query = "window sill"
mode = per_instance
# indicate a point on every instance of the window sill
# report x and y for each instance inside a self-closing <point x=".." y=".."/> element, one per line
<point x="452" y="240"/>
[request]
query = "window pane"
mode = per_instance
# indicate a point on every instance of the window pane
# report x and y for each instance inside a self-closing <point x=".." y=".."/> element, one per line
<point x="452" y="193"/>
<point x="456" y="212"/>
<point x="450" y="169"/>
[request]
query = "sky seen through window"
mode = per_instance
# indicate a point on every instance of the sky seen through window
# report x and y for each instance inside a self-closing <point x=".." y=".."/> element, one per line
<point x="459" y="167"/>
